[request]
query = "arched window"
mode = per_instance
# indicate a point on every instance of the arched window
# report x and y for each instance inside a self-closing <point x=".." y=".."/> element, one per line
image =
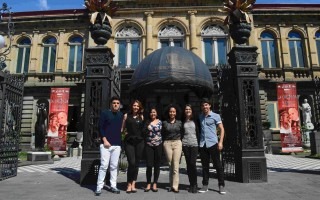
<point x="128" y="47"/>
<point x="171" y="35"/>
<point x="296" y="50"/>
<point x="318" y="45"/>
<point x="214" y="45"/>
<point x="269" y="50"/>
<point x="23" y="55"/>
<point x="75" y="54"/>
<point x="49" y="54"/>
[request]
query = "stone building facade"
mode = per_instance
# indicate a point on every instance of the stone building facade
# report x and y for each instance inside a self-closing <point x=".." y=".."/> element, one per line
<point x="49" y="46"/>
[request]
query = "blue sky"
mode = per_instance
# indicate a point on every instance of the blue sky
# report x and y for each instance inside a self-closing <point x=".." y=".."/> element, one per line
<point x="32" y="5"/>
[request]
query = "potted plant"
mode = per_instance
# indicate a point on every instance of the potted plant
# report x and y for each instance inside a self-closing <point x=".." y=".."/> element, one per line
<point x="100" y="20"/>
<point x="238" y="19"/>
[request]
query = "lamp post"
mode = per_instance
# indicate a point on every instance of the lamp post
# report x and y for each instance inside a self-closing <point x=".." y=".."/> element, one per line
<point x="5" y="14"/>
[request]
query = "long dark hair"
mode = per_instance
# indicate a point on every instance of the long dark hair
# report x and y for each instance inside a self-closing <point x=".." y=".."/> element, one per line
<point x="184" y="115"/>
<point x="148" y="121"/>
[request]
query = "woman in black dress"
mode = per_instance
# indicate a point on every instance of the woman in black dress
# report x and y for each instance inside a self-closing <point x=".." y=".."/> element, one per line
<point x="133" y="142"/>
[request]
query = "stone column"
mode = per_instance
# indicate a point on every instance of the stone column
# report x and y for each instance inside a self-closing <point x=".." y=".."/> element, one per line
<point x="61" y="52"/>
<point x="34" y="54"/>
<point x="193" y="36"/>
<point x="149" y="47"/>
<point x="313" y="47"/>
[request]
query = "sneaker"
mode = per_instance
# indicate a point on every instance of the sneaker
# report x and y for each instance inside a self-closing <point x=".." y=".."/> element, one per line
<point x="115" y="190"/>
<point x="97" y="192"/>
<point x="222" y="190"/>
<point x="204" y="189"/>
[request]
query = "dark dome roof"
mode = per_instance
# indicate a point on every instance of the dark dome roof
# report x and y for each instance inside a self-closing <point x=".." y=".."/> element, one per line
<point x="170" y="67"/>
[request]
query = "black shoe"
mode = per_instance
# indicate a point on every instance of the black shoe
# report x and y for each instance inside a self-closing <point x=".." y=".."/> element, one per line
<point x="195" y="189"/>
<point x="115" y="190"/>
<point x="154" y="190"/>
<point x="175" y="191"/>
<point x="146" y="190"/>
<point x="133" y="191"/>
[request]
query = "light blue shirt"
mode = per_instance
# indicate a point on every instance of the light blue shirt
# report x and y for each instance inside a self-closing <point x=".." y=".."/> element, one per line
<point x="208" y="129"/>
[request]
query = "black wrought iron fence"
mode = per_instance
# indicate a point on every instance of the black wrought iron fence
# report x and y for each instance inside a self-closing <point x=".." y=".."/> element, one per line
<point x="11" y="97"/>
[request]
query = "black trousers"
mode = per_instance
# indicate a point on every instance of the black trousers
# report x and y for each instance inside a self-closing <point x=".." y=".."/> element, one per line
<point x="134" y="154"/>
<point x="191" y="153"/>
<point x="153" y="160"/>
<point x="214" y="153"/>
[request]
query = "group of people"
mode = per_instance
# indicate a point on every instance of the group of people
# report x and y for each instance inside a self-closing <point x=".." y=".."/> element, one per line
<point x="192" y="135"/>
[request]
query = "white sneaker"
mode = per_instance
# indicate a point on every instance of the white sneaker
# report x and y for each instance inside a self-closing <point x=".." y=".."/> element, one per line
<point x="204" y="189"/>
<point x="222" y="190"/>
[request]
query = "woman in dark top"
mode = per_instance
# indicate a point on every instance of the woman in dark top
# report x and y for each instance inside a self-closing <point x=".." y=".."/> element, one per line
<point x="171" y="133"/>
<point x="153" y="148"/>
<point x="190" y="147"/>
<point x="133" y="142"/>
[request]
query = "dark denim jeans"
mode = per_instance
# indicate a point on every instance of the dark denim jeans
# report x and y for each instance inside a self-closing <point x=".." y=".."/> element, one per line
<point x="214" y="153"/>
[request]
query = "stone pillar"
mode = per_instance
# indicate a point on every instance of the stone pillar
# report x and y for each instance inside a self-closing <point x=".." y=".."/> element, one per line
<point x="313" y="46"/>
<point x="251" y="163"/>
<point x="34" y="54"/>
<point x="99" y="76"/>
<point x="193" y="36"/>
<point x="285" y="57"/>
<point x="149" y="48"/>
<point x="61" y="52"/>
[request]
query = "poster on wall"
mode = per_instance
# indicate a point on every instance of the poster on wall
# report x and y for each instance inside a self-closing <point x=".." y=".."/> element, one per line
<point x="58" y="120"/>
<point x="290" y="130"/>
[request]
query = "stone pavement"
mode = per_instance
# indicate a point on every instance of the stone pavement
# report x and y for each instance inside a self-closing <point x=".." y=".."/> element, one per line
<point x="289" y="178"/>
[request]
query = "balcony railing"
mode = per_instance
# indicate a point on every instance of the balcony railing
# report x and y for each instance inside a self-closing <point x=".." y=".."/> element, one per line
<point x="55" y="78"/>
<point x="296" y="74"/>
<point x="272" y="73"/>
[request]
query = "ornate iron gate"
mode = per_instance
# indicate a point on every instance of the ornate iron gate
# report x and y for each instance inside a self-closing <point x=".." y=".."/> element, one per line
<point x="11" y="97"/>
<point x="232" y="144"/>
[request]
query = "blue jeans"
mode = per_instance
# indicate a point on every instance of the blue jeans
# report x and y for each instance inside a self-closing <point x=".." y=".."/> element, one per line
<point x="108" y="155"/>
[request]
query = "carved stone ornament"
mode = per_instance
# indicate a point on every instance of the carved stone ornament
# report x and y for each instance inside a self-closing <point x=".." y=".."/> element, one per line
<point x="99" y="59"/>
<point x="128" y="32"/>
<point x="246" y="57"/>
<point x="212" y="30"/>
<point x="171" y="31"/>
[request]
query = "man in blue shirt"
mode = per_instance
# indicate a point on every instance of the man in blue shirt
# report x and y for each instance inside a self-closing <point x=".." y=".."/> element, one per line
<point x="210" y="146"/>
<point x="110" y="147"/>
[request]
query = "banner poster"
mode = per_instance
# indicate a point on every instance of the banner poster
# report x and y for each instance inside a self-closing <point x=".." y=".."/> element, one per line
<point x="290" y="130"/>
<point x="58" y="120"/>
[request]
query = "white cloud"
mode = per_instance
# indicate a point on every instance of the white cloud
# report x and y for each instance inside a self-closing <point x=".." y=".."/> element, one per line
<point x="43" y="4"/>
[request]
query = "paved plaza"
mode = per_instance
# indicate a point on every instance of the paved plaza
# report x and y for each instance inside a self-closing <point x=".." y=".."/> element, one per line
<point x="289" y="177"/>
